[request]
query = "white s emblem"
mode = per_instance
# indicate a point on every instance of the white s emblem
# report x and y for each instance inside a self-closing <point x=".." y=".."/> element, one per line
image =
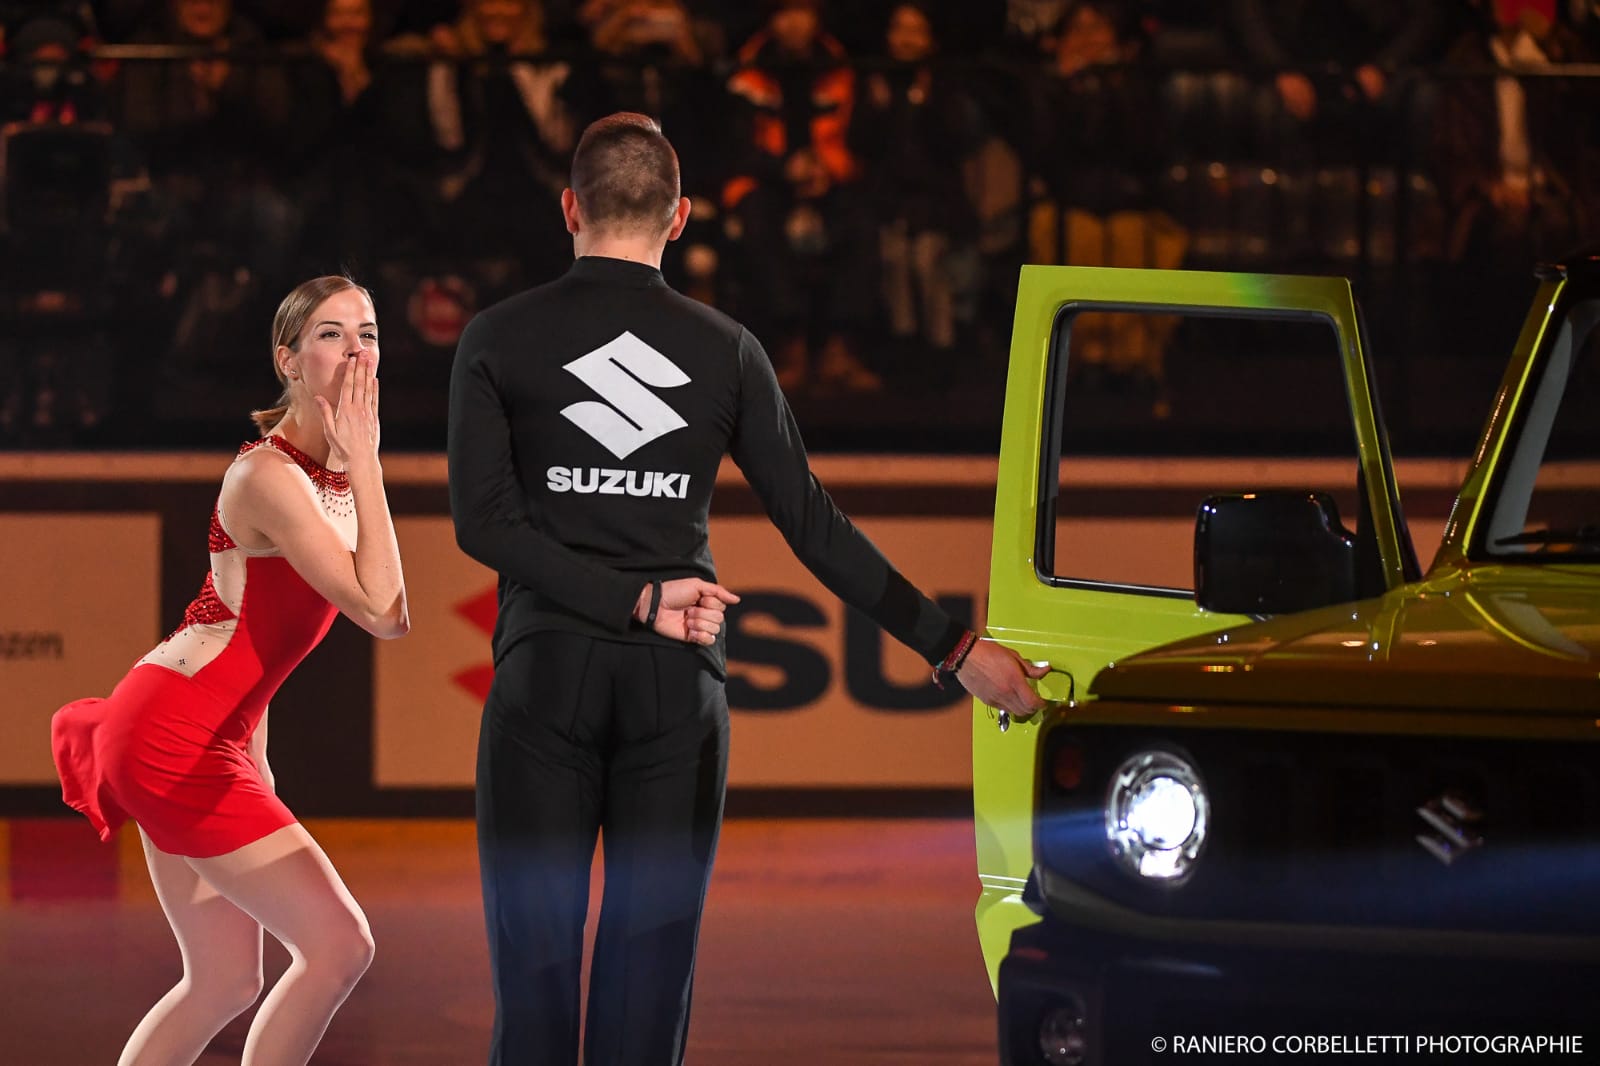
<point x="632" y="415"/>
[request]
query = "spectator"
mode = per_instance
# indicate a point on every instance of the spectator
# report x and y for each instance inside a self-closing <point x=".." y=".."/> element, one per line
<point x="658" y="61"/>
<point x="503" y="121"/>
<point x="351" y="188"/>
<point x="343" y="41"/>
<point x="50" y="80"/>
<point x="1584" y="16"/>
<point x="213" y="131"/>
<point x="1363" y="42"/>
<point x="796" y="217"/>
<point x="1095" y="139"/>
<point x="912" y="129"/>
<point x="1335" y="100"/>
<point x="212" y="95"/>
<point x="1096" y="147"/>
<point x="56" y="362"/>
<point x="1517" y="180"/>
<point x="663" y="31"/>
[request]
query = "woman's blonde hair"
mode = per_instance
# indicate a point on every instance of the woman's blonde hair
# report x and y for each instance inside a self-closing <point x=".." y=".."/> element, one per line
<point x="287" y="325"/>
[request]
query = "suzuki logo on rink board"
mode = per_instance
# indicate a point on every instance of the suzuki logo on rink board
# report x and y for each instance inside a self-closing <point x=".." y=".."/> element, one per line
<point x="632" y="415"/>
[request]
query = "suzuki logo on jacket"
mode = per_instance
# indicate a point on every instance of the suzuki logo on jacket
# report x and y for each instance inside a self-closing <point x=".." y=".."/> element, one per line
<point x="617" y="482"/>
<point x="631" y="416"/>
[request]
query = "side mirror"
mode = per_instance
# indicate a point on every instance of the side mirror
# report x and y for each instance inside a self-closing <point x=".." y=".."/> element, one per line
<point x="1272" y="553"/>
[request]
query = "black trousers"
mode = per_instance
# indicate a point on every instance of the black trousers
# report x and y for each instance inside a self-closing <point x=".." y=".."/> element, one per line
<point x="582" y="735"/>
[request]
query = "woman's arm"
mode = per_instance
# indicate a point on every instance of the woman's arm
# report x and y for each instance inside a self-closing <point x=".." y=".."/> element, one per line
<point x="270" y="498"/>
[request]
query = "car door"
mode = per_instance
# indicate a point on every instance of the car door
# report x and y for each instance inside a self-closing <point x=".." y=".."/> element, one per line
<point x="1047" y="599"/>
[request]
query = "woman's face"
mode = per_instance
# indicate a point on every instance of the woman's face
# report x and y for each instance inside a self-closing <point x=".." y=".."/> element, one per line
<point x="203" y="19"/>
<point x="342" y="326"/>
<point x="348" y="19"/>
<point x="499" y="21"/>
<point x="910" y="37"/>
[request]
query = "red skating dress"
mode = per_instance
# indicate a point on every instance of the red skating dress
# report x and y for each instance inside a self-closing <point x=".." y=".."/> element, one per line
<point x="168" y="747"/>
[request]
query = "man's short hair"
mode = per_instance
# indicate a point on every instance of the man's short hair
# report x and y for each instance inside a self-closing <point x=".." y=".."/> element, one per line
<point x="625" y="174"/>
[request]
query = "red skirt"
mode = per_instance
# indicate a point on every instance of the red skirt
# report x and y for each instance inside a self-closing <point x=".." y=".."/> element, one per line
<point x="161" y="751"/>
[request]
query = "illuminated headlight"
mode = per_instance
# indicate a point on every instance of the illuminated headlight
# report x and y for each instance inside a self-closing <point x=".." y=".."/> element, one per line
<point x="1156" y="816"/>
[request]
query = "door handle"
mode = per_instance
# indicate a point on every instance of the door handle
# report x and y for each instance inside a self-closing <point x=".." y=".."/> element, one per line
<point x="1056" y="687"/>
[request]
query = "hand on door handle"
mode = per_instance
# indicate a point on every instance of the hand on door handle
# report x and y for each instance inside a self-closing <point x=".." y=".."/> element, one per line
<point x="1055" y="687"/>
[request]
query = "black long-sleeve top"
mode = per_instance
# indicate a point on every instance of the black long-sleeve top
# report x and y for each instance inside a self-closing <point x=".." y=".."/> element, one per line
<point x="588" y="418"/>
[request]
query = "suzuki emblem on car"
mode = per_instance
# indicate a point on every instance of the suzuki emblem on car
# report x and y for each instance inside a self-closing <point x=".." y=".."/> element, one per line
<point x="1451" y="819"/>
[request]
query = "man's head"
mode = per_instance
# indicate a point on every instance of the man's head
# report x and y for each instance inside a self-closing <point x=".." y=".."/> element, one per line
<point x="910" y="35"/>
<point x="795" y="25"/>
<point x="625" y="179"/>
<point x="347" y="21"/>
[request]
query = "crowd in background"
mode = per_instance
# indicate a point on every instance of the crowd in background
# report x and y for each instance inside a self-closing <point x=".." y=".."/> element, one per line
<point x="867" y="176"/>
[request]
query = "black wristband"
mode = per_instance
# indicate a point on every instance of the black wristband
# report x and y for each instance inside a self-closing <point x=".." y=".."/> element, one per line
<point x="655" y="604"/>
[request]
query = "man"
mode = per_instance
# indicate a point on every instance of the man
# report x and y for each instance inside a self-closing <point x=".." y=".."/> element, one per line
<point x="587" y="421"/>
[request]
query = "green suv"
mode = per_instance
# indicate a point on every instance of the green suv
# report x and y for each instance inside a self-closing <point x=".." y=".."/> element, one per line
<point x="1297" y="788"/>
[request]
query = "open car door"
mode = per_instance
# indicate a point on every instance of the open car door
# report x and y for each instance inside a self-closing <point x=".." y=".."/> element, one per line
<point x="1079" y="583"/>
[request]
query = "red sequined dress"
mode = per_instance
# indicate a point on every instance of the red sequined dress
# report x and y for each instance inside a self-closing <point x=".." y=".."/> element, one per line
<point x="168" y="747"/>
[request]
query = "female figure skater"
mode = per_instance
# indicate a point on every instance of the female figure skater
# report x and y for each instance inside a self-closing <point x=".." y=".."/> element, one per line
<point x="301" y="530"/>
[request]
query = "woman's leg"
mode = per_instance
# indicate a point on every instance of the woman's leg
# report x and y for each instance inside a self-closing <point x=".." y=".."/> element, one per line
<point x="221" y="948"/>
<point x="286" y="883"/>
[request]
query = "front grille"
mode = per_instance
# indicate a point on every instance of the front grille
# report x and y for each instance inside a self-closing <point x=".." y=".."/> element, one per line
<point x="1323" y="828"/>
<point x="1143" y="1004"/>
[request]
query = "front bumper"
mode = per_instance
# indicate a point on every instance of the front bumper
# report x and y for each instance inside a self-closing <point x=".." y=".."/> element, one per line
<point x="1191" y="1000"/>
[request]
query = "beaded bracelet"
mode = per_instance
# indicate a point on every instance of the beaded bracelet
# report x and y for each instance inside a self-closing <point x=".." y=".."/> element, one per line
<point x="946" y="671"/>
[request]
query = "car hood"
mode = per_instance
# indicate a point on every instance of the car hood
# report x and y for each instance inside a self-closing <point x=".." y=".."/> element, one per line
<point x="1490" y="638"/>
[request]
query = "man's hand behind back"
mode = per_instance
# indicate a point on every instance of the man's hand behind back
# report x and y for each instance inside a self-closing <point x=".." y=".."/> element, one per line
<point x="692" y="610"/>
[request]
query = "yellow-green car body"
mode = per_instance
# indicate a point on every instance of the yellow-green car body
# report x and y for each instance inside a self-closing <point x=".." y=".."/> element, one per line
<point x="1406" y="690"/>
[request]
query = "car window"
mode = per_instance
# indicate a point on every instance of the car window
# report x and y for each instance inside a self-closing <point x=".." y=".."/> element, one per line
<point x="1548" y="501"/>
<point x="1243" y="401"/>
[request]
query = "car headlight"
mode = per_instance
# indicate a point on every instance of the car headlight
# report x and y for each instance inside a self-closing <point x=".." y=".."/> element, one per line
<point x="1156" y="814"/>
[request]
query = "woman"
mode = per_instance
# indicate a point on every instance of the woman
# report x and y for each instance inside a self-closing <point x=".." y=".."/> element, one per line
<point x="301" y="530"/>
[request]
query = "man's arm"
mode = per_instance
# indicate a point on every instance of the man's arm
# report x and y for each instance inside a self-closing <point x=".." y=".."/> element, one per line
<point x="767" y="447"/>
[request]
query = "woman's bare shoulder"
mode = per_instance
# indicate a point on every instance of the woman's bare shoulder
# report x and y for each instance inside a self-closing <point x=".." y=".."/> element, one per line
<point x="264" y="482"/>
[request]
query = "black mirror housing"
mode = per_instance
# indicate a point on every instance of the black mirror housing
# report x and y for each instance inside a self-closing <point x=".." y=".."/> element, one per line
<point x="1262" y="553"/>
